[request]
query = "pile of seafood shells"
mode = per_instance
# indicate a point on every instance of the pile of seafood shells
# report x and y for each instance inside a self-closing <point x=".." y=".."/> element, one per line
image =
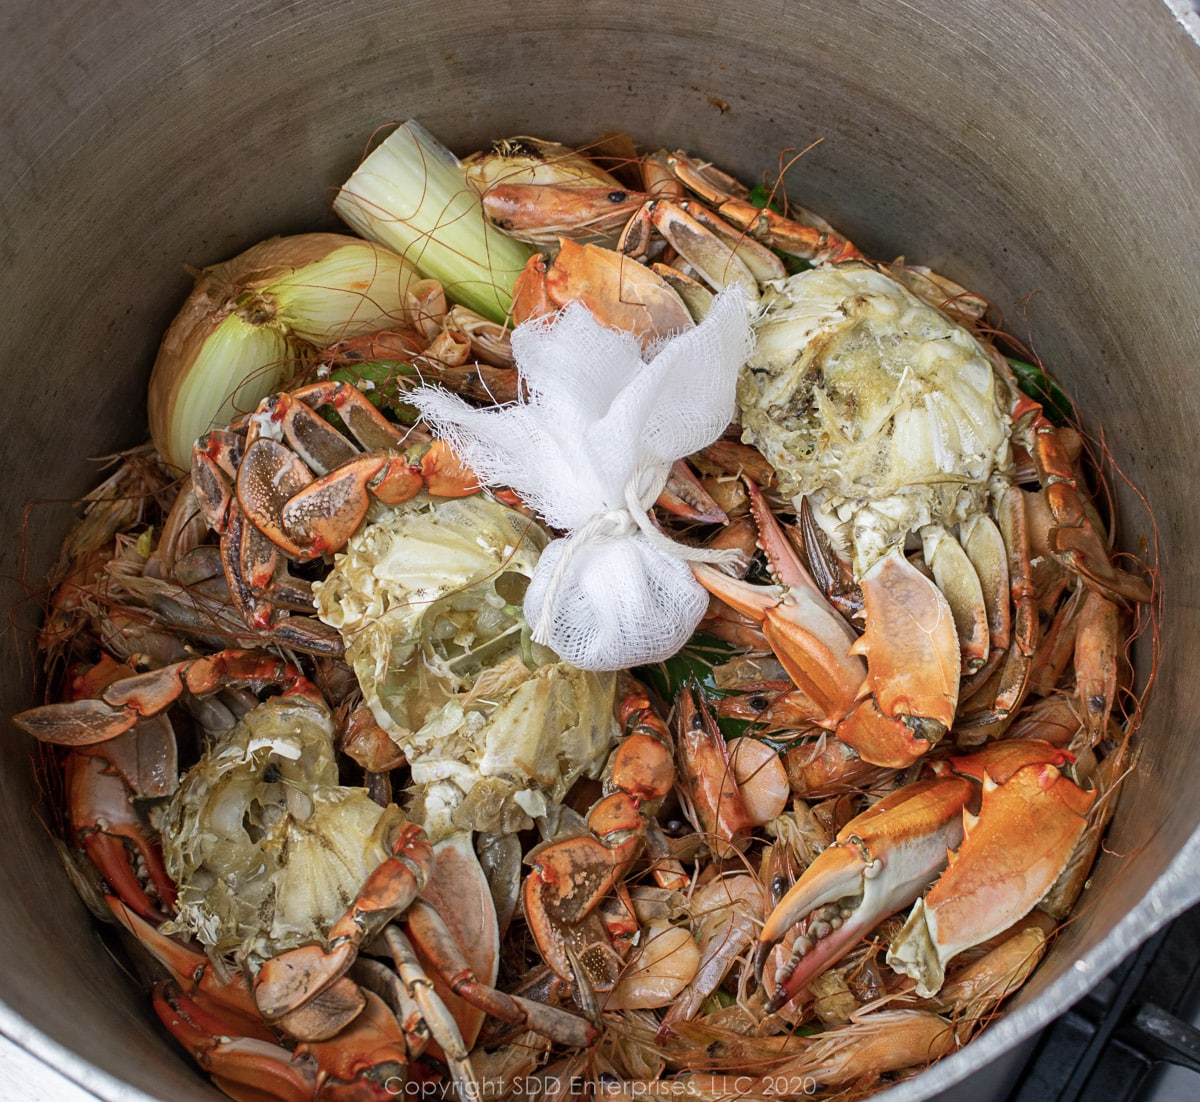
<point x="808" y="856"/>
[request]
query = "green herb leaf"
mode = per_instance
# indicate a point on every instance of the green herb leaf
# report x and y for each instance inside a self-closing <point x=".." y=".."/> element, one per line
<point x="693" y="666"/>
<point x="1034" y="382"/>
<point x="761" y="197"/>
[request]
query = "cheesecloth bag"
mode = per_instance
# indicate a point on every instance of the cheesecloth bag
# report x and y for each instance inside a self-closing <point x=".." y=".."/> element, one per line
<point x="589" y="446"/>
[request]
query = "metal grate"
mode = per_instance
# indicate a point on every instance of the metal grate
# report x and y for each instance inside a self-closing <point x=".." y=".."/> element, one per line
<point x="1112" y="1046"/>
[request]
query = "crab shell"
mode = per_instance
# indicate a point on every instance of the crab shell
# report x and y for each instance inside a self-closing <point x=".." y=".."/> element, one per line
<point x="495" y="727"/>
<point x="874" y="406"/>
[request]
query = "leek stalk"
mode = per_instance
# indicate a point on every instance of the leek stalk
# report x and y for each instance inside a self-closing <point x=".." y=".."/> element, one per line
<point x="411" y="195"/>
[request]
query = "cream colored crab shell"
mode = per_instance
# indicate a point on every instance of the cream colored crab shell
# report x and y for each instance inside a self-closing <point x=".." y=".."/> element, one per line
<point x="495" y="727"/>
<point x="267" y="849"/>
<point x="885" y="414"/>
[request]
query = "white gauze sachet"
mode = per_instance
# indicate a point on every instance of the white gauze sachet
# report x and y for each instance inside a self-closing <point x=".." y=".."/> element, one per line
<point x="589" y="446"/>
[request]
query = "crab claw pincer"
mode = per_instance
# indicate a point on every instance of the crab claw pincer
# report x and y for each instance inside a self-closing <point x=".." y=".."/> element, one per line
<point x="879" y="863"/>
<point x="990" y="882"/>
<point x="882" y="860"/>
<point x="891" y="693"/>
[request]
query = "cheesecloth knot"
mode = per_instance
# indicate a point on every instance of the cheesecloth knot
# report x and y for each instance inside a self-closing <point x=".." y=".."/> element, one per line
<point x="589" y="446"/>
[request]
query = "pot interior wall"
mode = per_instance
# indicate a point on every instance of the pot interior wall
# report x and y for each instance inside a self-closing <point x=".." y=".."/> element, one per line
<point x="1048" y="160"/>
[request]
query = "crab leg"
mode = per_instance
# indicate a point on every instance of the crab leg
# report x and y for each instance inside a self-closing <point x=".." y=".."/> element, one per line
<point x="367" y="1061"/>
<point x="960" y="584"/>
<point x="877" y="865"/>
<point x="911" y="692"/>
<point x="764" y="265"/>
<point x="288" y="981"/>
<point x="245" y="1060"/>
<point x="251" y="562"/>
<point x="307" y="517"/>
<point x="319" y="446"/>
<point x="817" y="241"/>
<point x="718" y="263"/>
<point x="217" y="1022"/>
<point x="101" y="785"/>
<point x="286" y="482"/>
<point x="990" y="883"/>
<point x="442" y="1026"/>
<point x="994" y="702"/>
<point x="812" y="642"/>
<point x="366" y="424"/>
<point x="984" y="546"/>
<point x="428" y="931"/>
<point x="130" y="699"/>
<point x="571" y="877"/>
<point x="1074" y="540"/>
<point x="269" y="477"/>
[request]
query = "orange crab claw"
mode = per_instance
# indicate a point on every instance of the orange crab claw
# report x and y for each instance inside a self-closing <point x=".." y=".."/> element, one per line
<point x="445" y="474"/>
<point x="618" y="290"/>
<point x="189" y="967"/>
<point x="241" y="1054"/>
<point x="990" y="883"/>
<point x="569" y="879"/>
<point x="894" y="705"/>
<point x="288" y="484"/>
<point x="110" y="830"/>
<point x="684" y="497"/>
<point x="324" y="514"/>
<point x="877" y="865"/>
<point x="913" y="663"/>
<point x="999" y="761"/>
<point x="366" y="1062"/>
<point x="812" y="642"/>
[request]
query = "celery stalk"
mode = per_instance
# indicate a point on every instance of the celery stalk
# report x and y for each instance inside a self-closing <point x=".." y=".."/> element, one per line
<point x="411" y="196"/>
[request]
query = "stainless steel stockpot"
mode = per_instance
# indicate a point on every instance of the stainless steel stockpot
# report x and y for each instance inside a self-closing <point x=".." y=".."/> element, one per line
<point x="1044" y="153"/>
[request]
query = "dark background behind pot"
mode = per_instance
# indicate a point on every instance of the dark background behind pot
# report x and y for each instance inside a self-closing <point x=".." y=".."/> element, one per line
<point x="1046" y="155"/>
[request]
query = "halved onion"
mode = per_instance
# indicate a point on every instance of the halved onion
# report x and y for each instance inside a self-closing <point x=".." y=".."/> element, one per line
<point x="247" y="322"/>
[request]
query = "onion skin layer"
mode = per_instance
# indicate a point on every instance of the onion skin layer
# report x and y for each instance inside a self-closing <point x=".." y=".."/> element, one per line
<point x="247" y="321"/>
